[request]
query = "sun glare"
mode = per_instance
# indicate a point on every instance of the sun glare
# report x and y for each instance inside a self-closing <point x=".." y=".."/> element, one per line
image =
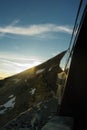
<point x="12" y="69"/>
<point x="4" y="75"/>
<point x="27" y="66"/>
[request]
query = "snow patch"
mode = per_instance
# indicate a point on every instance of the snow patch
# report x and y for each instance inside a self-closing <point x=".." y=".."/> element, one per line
<point x="50" y="69"/>
<point x="32" y="91"/>
<point x="7" y="105"/>
<point x="11" y="96"/>
<point x="3" y="111"/>
<point x="10" y="103"/>
<point x="39" y="71"/>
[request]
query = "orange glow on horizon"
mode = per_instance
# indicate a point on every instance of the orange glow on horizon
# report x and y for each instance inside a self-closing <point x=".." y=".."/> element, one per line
<point x="9" y="72"/>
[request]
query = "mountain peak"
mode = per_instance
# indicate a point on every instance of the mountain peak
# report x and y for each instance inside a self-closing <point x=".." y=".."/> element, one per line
<point x="20" y="92"/>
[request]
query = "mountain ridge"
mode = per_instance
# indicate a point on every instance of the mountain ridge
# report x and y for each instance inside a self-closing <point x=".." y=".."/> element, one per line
<point x="20" y="92"/>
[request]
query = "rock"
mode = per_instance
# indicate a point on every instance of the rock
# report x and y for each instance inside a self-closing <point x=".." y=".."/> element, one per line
<point x="59" y="123"/>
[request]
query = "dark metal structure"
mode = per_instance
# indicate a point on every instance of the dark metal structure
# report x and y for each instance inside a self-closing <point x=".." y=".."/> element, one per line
<point x="74" y="102"/>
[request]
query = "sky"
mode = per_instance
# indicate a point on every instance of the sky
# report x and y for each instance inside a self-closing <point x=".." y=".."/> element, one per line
<point x="33" y="31"/>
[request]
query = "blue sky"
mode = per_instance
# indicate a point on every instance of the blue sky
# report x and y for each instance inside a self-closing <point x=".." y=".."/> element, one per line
<point x="32" y="31"/>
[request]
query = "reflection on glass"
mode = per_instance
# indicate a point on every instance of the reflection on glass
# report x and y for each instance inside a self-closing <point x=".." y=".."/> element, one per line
<point x="62" y="76"/>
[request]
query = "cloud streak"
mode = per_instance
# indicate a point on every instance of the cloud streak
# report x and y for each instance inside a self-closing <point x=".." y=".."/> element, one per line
<point x="34" y="30"/>
<point x="10" y="66"/>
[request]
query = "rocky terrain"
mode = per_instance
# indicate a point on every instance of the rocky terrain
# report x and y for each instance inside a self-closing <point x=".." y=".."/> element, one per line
<point x="30" y="98"/>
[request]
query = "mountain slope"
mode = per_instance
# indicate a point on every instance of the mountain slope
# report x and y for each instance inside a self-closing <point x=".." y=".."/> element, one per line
<point x="22" y="91"/>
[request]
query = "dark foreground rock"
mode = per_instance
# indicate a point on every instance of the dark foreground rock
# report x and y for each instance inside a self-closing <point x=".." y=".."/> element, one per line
<point x="59" y="123"/>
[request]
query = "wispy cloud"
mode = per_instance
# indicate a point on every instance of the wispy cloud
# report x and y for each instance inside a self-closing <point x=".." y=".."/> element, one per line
<point x="3" y="33"/>
<point x="9" y="66"/>
<point x="34" y="30"/>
